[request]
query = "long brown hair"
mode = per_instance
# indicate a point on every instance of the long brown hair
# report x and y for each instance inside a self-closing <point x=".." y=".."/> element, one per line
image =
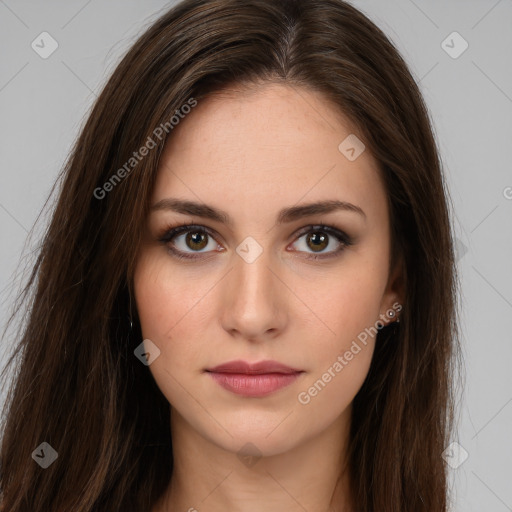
<point x="77" y="384"/>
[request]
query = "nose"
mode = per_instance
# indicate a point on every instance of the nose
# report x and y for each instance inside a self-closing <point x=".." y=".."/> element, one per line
<point x="254" y="301"/>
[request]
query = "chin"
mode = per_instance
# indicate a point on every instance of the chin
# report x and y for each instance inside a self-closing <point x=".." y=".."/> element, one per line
<point x="257" y="444"/>
<point x="267" y="434"/>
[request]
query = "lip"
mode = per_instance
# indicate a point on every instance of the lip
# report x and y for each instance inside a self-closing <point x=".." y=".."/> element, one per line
<point x="258" y="368"/>
<point x="253" y="379"/>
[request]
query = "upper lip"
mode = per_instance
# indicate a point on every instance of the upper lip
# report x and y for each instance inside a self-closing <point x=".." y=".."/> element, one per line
<point x="252" y="368"/>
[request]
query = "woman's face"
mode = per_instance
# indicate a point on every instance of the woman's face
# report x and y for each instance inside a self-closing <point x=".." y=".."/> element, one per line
<point x="248" y="288"/>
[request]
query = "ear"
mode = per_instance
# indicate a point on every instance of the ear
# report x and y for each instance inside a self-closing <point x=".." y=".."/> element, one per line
<point x="392" y="300"/>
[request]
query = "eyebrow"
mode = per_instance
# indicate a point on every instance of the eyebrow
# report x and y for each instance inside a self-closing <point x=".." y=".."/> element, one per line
<point x="286" y="215"/>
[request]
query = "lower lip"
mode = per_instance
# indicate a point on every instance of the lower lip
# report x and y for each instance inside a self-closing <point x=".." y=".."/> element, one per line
<point x="254" y="385"/>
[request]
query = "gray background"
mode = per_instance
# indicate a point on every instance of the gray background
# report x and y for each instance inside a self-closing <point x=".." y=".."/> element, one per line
<point x="44" y="102"/>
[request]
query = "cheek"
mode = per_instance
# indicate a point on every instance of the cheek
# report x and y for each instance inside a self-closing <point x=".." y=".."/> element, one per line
<point x="342" y="360"/>
<point x="166" y="306"/>
<point x="169" y="310"/>
<point x="348" y="303"/>
<point x="349" y="309"/>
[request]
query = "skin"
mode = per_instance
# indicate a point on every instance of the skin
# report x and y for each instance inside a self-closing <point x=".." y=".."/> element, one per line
<point x="252" y="153"/>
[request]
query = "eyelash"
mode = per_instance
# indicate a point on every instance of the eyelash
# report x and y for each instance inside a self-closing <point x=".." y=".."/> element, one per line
<point x="171" y="232"/>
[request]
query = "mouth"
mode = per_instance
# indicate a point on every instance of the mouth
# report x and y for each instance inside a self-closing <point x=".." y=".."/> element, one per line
<point x="253" y="380"/>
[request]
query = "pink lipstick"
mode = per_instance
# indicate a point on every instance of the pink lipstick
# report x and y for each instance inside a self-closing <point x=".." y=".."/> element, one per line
<point x="253" y="379"/>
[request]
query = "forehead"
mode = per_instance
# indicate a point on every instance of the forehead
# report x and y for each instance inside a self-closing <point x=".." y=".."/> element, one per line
<point x="265" y="147"/>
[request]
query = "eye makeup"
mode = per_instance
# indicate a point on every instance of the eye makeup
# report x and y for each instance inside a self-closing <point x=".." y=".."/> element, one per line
<point x="318" y="232"/>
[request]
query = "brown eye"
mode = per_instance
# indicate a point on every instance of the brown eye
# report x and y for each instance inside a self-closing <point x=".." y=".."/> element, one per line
<point x="196" y="240"/>
<point x="317" y="241"/>
<point x="192" y="242"/>
<point x="189" y="242"/>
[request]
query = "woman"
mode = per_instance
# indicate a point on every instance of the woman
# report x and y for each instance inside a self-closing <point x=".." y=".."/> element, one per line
<point x="246" y="296"/>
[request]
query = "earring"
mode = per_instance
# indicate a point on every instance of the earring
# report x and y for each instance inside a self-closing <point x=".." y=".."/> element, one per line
<point x="392" y="314"/>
